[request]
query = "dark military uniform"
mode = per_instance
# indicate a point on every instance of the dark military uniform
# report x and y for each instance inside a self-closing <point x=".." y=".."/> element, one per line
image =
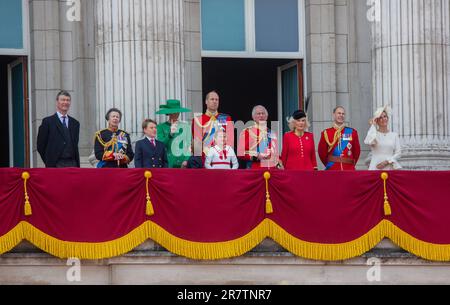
<point x="108" y="142"/>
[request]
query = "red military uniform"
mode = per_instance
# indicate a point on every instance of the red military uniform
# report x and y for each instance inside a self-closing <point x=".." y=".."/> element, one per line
<point x="339" y="148"/>
<point x="257" y="140"/>
<point x="204" y="128"/>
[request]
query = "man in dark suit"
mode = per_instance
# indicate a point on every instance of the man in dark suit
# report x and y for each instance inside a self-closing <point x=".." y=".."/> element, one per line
<point x="57" y="141"/>
<point x="149" y="152"/>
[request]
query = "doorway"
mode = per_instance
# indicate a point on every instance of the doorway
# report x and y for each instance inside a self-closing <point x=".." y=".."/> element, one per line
<point x="243" y="83"/>
<point x="14" y="112"/>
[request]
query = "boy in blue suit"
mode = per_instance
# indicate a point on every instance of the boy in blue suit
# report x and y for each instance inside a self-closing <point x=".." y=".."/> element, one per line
<point x="149" y="152"/>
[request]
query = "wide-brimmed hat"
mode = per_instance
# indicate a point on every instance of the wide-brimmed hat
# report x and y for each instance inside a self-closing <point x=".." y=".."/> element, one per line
<point x="171" y="107"/>
<point x="380" y="111"/>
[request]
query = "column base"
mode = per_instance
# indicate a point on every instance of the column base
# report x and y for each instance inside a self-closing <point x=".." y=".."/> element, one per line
<point x="432" y="157"/>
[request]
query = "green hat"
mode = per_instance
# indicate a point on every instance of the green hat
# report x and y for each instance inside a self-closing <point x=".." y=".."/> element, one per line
<point x="171" y="107"/>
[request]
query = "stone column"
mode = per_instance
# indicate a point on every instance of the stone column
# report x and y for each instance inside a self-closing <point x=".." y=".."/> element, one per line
<point x="411" y="71"/>
<point x="139" y="58"/>
<point x="321" y="62"/>
<point x="63" y="57"/>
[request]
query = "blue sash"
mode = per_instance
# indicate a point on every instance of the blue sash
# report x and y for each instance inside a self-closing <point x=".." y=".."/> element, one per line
<point x="339" y="149"/>
<point x="208" y="138"/>
<point x="262" y="147"/>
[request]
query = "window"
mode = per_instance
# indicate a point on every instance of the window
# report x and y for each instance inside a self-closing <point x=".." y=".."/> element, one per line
<point x="276" y="25"/>
<point x="252" y="28"/>
<point x="223" y="25"/>
<point x="13" y="27"/>
<point x="11" y="36"/>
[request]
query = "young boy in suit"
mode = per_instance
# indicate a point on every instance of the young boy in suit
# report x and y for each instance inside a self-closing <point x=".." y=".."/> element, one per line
<point x="150" y="153"/>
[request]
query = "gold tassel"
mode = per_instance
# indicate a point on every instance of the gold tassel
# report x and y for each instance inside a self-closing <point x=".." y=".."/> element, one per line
<point x="149" y="211"/>
<point x="269" y="206"/>
<point x="387" y="206"/>
<point x="27" y="209"/>
<point x="149" y="208"/>
<point x="387" y="209"/>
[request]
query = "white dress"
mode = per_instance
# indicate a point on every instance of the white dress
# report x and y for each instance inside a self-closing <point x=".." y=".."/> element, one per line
<point x="384" y="147"/>
<point x="217" y="159"/>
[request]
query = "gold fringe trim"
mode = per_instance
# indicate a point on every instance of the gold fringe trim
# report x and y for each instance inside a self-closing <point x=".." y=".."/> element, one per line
<point x="65" y="249"/>
<point x="327" y="252"/>
<point x="425" y="250"/>
<point x="227" y="249"/>
<point x="148" y="230"/>
<point x="209" y="251"/>
<point x="11" y="239"/>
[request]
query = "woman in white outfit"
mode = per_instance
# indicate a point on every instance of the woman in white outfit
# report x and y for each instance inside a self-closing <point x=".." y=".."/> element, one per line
<point x="385" y="145"/>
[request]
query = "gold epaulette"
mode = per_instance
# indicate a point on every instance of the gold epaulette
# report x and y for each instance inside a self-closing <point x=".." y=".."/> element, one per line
<point x="199" y="124"/>
<point x="99" y="137"/>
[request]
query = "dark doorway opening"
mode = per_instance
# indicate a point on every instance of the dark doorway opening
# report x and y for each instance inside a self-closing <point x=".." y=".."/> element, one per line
<point x="14" y="112"/>
<point x="4" y="109"/>
<point x="242" y="84"/>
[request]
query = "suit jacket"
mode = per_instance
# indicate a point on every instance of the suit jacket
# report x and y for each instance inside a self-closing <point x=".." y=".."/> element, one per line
<point x="148" y="156"/>
<point x="51" y="141"/>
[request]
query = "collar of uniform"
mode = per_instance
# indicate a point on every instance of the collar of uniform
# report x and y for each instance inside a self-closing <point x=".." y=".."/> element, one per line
<point x="210" y="114"/>
<point x="113" y="129"/>
<point x="262" y="126"/>
<point x="262" y="129"/>
<point x="337" y="127"/>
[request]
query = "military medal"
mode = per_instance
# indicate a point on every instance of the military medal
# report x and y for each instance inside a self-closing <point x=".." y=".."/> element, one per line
<point x="348" y="137"/>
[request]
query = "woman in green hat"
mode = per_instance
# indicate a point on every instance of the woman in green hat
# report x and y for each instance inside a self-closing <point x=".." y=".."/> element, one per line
<point x="175" y="134"/>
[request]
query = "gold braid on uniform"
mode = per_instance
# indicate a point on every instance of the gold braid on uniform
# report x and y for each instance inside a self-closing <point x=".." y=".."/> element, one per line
<point x="337" y="137"/>
<point x="262" y="135"/>
<point x="212" y="119"/>
<point x="113" y="142"/>
<point x="99" y="137"/>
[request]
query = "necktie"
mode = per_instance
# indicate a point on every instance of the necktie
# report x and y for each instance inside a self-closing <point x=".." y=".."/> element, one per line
<point x="153" y="142"/>
<point x="64" y="121"/>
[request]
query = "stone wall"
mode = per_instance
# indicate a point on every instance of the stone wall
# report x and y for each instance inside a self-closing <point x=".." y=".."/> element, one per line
<point x="193" y="63"/>
<point x="267" y="264"/>
<point x="411" y="72"/>
<point x="62" y="57"/>
<point x="339" y="63"/>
